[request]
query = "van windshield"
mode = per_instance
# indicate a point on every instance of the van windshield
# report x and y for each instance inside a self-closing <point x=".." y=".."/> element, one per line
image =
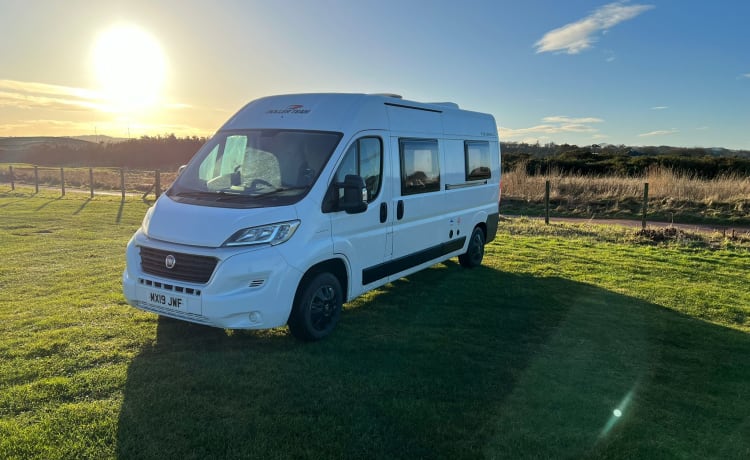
<point x="251" y="168"/>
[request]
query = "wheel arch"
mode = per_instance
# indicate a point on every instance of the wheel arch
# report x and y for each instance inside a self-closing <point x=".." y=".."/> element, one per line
<point x="336" y="266"/>
<point x="482" y="226"/>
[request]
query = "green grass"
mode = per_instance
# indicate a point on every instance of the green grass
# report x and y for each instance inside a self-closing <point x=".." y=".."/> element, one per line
<point x="526" y="357"/>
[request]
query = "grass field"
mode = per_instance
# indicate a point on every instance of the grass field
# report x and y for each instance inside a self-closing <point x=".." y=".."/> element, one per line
<point x="570" y="342"/>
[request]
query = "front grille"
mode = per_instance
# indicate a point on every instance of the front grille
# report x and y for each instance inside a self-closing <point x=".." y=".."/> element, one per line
<point x="187" y="267"/>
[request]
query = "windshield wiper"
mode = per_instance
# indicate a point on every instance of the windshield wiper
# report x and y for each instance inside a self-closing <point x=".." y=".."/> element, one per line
<point x="196" y="194"/>
<point x="283" y="189"/>
<point x="219" y="195"/>
<point x="225" y="196"/>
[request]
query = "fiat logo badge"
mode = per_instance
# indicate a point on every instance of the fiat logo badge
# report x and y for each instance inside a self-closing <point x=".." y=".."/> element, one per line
<point x="170" y="261"/>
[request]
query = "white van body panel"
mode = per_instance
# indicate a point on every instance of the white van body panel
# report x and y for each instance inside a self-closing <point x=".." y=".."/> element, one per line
<point x="401" y="231"/>
<point x="198" y="224"/>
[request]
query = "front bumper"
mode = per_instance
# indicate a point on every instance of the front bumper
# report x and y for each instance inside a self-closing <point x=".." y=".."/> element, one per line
<point x="250" y="288"/>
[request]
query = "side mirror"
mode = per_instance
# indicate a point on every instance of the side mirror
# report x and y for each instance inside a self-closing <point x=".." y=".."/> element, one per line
<point x="355" y="194"/>
<point x="182" y="168"/>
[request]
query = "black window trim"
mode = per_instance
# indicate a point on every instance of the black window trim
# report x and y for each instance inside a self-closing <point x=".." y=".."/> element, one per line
<point x="467" y="174"/>
<point x="404" y="190"/>
<point x="359" y="157"/>
<point x="404" y="106"/>
<point x="329" y="203"/>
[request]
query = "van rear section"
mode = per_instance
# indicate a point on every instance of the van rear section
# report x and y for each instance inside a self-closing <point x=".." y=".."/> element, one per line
<point x="300" y="203"/>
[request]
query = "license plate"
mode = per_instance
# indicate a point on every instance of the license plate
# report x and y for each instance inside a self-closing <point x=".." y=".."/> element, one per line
<point x="162" y="299"/>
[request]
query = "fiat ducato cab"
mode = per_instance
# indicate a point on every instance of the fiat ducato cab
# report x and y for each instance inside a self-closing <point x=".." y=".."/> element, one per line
<point x="300" y="203"/>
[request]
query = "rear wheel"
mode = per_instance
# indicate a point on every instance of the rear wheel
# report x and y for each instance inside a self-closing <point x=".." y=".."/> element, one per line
<point x="475" y="252"/>
<point x="317" y="307"/>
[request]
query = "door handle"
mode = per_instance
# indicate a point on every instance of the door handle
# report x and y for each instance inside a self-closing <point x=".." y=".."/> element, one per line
<point x="400" y="209"/>
<point x="383" y="212"/>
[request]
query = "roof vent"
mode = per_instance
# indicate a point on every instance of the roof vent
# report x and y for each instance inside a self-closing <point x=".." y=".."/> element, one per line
<point x="452" y="105"/>
<point x="395" y="96"/>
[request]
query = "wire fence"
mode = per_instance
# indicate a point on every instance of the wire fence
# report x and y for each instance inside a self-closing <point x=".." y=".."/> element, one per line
<point x="125" y="180"/>
<point x="91" y="180"/>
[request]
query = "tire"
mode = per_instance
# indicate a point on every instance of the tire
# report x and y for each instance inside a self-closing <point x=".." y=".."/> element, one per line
<point x="317" y="307"/>
<point x="475" y="251"/>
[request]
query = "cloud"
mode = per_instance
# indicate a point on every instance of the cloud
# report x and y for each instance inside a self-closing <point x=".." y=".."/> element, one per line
<point x="30" y="95"/>
<point x="663" y="132"/>
<point x="108" y="127"/>
<point x="660" y="107"/>
<point x="508" y="133"/>
<point x="34" y="95"/>
<point x="552" y="125"/>
<point x="48" y="127"/>
<point x="65" y="110"/>
<point x="578" y="36"/>
<point x="562" y="119"/>
<point x="747" y="75"/>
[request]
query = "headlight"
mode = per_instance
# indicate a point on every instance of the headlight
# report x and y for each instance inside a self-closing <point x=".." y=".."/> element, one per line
<point x="272" y="234"/>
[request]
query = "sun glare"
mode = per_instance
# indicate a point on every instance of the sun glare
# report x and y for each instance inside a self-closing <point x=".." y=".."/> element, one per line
<point x="130" y="68"/>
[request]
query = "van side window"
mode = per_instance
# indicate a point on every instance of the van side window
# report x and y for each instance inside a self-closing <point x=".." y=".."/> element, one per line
<point x="364" y="158"/>
<point x="420" y="166"/>
<point x="477" y="154"/>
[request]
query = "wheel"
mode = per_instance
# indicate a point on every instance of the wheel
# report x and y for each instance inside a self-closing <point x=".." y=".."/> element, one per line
<point x="317" y="307"/>
<point x="475" y="252"/>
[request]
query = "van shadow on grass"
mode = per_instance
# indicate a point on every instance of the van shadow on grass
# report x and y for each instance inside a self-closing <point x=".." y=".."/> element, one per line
<point x="449" y="363"/>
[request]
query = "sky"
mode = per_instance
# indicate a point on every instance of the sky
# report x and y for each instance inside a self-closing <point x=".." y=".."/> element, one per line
<point x="661" y="72"/>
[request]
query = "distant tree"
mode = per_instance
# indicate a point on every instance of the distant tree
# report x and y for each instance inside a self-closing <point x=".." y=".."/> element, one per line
<point x="149" y="152"/>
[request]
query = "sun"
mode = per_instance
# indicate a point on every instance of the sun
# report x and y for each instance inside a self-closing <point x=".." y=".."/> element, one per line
<point x="130" y="68"/>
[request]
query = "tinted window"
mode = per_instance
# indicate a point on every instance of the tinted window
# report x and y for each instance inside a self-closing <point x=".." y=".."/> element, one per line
<point x="477" y="155"/>
<point x="364" y="158"/>
<point x="420" y="166"/>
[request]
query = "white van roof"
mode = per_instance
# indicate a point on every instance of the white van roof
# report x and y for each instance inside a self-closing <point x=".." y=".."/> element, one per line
<point x="355" y="112"/>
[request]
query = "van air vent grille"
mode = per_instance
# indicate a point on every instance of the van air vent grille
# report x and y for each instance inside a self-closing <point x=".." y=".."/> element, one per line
<point x="185" y="267"/>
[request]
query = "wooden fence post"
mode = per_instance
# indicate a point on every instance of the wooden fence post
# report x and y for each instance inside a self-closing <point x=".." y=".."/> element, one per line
<point x="645" y="204"/>
<point x="122" y="182"/>
<point x="12" y="181"/>
<point x="62" y="181"/>
<point x="546" y="202"/>
<point x="157" y="183"/>
<point x="91" y="181"/>
<point x="36" y="179"/>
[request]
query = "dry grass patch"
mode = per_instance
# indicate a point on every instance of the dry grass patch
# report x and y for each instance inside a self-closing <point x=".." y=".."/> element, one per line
<point x="672" y="195"/>
<point x="103" y="178"/>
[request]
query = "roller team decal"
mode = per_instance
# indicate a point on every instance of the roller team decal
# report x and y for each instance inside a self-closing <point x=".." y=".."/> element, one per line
<point x="294" y="108"/>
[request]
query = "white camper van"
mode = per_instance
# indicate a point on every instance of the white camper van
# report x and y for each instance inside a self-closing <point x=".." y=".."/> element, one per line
<point x="300" y="203"/>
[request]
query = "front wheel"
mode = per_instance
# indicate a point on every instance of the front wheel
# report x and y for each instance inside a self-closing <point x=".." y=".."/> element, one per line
<point x="475" y="252"/>
<point x="317" y="307"/>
